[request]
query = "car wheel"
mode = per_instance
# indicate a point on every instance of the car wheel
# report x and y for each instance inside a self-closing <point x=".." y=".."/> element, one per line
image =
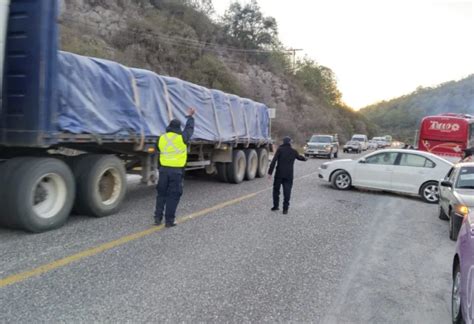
<point x="454" y="226"/>
<point x="442" y="214"/>
<point x="430" y="192"/>
<point x="335" y="155"/>
<point x="341" y="180"/>
<point x="456" y="313"/>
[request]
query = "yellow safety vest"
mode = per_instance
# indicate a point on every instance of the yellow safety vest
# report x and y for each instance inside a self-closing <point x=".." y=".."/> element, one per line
<point x="173" y="150"/>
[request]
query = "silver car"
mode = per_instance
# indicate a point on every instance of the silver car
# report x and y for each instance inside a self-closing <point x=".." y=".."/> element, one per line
<point x="456" y="196"/>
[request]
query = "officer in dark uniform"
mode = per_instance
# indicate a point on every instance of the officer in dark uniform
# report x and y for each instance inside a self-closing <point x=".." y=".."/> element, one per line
<point x="173" y="150"/>
<point x="284" y="160"/>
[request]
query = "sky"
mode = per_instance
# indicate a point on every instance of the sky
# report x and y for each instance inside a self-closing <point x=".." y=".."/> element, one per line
<point x="378" y="49"/>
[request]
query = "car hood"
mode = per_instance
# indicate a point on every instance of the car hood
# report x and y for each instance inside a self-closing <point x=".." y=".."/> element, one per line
<point x="465" y="196"/>
<point x="339" y="163"/>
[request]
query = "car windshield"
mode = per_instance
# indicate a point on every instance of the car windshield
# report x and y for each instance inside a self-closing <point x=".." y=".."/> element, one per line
<point x="358" y="139"/>
<point x="321" y="139"/>
<point x="465" y="178"/>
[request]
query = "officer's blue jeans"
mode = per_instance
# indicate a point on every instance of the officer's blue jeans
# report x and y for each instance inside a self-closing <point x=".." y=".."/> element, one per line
<point x="170" y="190"/>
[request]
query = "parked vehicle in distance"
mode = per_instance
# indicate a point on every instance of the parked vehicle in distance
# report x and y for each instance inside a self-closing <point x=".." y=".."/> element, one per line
<point x="352" y="147"/>
<point x="388" y="139"/>
<point x="372" y="145"/>
<point x="462" y="293"/>
<point x="381" y="142"/>
<point x="456" y="196"/>
<point x="410" y="172"/>
<point x="322" y="145"/>
<point x="364" y="141"/>
<point x="446" y="135"/>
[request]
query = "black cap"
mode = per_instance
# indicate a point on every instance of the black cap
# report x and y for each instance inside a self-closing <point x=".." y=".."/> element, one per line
<point x="286" y="140"/>
<point x="175" y="123"/>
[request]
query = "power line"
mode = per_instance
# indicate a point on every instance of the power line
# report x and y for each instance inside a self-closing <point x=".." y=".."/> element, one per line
<point x="190" y="43"/>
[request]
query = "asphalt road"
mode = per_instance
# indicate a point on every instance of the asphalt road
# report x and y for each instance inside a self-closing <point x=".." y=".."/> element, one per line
<point x="338" y="257"/>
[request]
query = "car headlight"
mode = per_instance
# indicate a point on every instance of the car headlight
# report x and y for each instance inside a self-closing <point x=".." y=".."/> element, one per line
<point x="305" y="147"/>
<point x="324" y="166"/>
<point x="462" y="210"/>
<point x="328" y="147"/>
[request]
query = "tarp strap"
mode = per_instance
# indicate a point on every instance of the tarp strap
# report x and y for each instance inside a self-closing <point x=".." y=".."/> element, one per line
<point x="169" y="106"/>
<point x="136" y="99"/>
<point x="247" y="131"/>
<point x="259" y="127"/>
<point x="216" y="118"/>
<point x="234" y="125"/>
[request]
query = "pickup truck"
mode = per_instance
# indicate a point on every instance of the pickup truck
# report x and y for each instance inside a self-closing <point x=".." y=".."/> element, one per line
<point x="72" y="127"/>
<point x="322" y="145"/>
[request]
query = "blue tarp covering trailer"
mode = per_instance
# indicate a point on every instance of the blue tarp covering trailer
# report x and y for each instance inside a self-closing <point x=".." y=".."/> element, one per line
<point x="101" y="97"/>
<point x="71" y="127"/>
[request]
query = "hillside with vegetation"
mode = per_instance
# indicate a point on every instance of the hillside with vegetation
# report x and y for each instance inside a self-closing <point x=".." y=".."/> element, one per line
<point x="239" y="53"/>
<point x="401" y="116"/>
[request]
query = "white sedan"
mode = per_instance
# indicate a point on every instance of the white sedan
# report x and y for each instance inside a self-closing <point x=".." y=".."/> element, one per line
<point x="410" y="172"/>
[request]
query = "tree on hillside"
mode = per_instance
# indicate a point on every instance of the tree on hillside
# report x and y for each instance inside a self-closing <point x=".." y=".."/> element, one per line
<point x="319" y="80"/>
<point x="248" y="27"/>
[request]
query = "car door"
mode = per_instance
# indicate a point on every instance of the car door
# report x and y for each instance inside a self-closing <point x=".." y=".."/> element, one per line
<point x="411" y="172"/>
<point x="375" y="171"/>
<point x="446" y="193"/>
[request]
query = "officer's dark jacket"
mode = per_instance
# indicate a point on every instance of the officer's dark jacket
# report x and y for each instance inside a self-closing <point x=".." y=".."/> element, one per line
<point x="284" y="160"/>
<point x="187" y="132"/>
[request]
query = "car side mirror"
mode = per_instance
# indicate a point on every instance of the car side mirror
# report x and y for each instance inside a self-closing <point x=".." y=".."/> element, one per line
<point x="446" y="183"/>
<point x="363" y="161"/>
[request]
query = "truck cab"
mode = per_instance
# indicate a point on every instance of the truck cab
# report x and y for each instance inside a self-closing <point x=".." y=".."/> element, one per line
<point x="4" y="9"/>
<point x="322" y="145"/>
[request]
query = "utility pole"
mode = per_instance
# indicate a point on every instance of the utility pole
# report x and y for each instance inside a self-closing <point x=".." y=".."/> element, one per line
<point x="293" y="52"/>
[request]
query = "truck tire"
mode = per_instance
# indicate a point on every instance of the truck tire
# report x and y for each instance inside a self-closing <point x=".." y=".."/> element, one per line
<point x="40" y="193"/>
<point x="262" y="162"/>
<point x="236" y="169"/>
<point x="222" y="171"/>
<point x="101" y="184"/>
<point x="252" y="164"/>
<point x="7" y="169"/>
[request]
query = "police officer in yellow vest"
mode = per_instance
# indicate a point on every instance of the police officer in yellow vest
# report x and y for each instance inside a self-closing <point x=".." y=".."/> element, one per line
<point x="173" y="155"/>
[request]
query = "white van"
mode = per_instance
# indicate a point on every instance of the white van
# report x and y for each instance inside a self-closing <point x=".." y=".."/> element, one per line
<point x="362" y="139"/>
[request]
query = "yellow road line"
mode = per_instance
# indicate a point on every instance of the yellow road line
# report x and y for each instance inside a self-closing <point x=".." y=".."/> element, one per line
<point x="22" y="276"/>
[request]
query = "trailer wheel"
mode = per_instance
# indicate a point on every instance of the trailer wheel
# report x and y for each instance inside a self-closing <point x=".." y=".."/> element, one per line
<point x="7" y="169"/>
<point x="262" y="162"/>
<point x="236" y="169"/>
<point x="101" y="184"/>
<point x="252" y="164"/>
<point x="222" y="171"/>
<point x="39" y="193"/>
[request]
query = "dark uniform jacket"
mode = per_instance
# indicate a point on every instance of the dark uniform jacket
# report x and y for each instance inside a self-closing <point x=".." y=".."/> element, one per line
<point x="284" y="160"/>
